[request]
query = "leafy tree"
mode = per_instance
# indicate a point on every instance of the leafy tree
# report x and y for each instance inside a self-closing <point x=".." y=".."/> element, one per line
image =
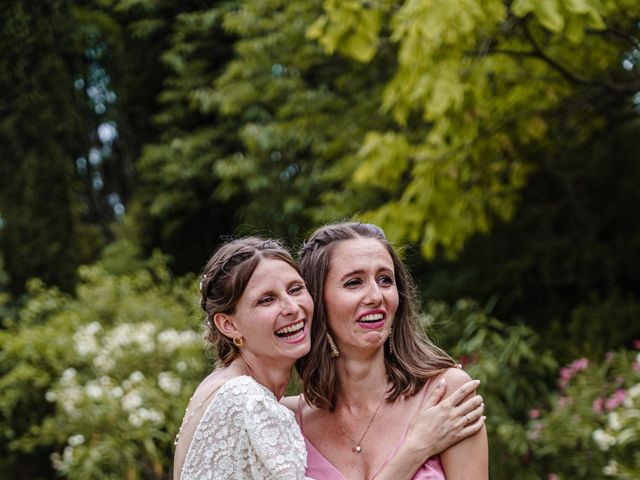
<point x="41" y="134"/>
<point x="493" y="84"/>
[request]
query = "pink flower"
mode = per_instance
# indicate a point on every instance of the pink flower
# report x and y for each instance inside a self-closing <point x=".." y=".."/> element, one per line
<point x="598" y="405"/>
<point x="615" y="400"/>
<point x="579" y="364"/>
<point x="534" y="413"/>
<point x="565" y="376"/>
<point x="564" y="401"/>
<point x="608" y="356"/>
<point x="636" y="366"/>
<point x="636" y="344"/>
<point x="566" y="373"/>
<point x="552" y="476"/>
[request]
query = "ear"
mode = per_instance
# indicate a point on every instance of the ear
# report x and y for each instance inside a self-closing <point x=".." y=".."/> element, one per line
<point x="226" y="325"/>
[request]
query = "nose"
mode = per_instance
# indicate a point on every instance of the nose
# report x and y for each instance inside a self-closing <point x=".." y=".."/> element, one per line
<point x="289" y="306"/>
<point x="374" y="294"/>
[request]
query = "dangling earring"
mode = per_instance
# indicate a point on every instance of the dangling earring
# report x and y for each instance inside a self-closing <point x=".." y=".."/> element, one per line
<point x="333" y="349"/>
<point x="238" y="341"/>
<point x="390" y="344"/>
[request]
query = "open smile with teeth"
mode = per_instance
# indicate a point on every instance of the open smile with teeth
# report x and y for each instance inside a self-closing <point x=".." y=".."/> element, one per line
<point x="372" y="317"/>
<point x="291" y="332"/>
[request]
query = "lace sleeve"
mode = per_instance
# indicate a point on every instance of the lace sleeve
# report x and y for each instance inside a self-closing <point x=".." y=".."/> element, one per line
<point x="275" y="439"/>
<point x="245" y="434"/>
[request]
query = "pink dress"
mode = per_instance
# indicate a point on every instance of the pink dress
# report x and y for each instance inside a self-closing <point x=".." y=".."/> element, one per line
<point x="319" y="468"/>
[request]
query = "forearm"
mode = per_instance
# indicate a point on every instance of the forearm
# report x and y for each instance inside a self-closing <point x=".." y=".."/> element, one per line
<point x="405" y="462"/>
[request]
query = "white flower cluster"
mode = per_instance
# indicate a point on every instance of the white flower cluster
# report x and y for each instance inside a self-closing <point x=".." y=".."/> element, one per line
<point x="622" y="426"/>
<point x="139" y="336"/>
<point x="85" y="340"/>
<point x="69" y="393"/>
<point x="169" y="383"/>
<point x="171" y="340"/>
<point x="143" y="415"/>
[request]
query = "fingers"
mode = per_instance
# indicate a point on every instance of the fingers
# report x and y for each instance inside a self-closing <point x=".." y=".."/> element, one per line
<point x="463" y="392"/>
<point x="476" y="421"/>
<point x="436" y="395"/>
<point x="472" y="415"/>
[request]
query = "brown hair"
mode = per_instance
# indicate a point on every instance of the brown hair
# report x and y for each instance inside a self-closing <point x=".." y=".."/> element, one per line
<point x="224" y="279"/>
<point x="414" y="360"/>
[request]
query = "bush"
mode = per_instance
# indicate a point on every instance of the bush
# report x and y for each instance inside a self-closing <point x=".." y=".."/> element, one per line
<point x="515" y="370"/>
<point x="96" y="384"/>
<point x="591" y="427"/>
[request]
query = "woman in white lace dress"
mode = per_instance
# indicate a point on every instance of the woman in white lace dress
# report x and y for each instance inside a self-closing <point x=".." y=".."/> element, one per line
<point x="258" y="316"/>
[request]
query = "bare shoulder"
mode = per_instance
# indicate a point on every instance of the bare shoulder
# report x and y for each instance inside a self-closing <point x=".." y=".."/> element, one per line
<point x="291" y="402"/>
<point x="454" y="378"/>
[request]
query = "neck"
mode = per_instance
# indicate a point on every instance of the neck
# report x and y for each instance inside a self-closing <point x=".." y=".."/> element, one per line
<point x="362" y="381"/>
<point x="275" y="378"/>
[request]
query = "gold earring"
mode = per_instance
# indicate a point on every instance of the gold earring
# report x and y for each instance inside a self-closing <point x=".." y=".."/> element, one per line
<point x="333" y="349"/>
<point x="238" y="341"/>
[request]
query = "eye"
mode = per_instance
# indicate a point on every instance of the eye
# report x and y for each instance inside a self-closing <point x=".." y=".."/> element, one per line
<point x="386" y="280"/>
<point x="353" y="282"/>
<point x="265" y="300"/>
<point x="296" y="289"/>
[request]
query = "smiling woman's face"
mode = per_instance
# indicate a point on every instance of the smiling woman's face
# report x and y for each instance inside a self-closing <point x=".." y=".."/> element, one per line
<point x="360" y="294"/>
<point x="274" y="313"/>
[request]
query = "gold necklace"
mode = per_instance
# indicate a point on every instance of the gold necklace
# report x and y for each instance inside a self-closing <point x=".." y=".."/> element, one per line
<point x="358" y="445"/>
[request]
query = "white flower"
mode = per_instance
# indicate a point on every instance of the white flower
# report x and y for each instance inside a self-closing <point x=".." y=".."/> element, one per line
<point x="76" y="440"/>
<point x="181" y="366"/>
<point x="131" y="401"/>
<point x="50" y="396"/>
<point x="117" y="392"/>
<point x="104" y="362"/>
<point x="634" y="391"/>
<point x="94" y="391"/>
<point x="603" y="439"/>
<point x="85" y="341"/>
<point x="169" y="383"/>
<point x="67" y="454"/>
<point x="135" y="420"/>
<point x="614" y="421"/>
<point x="170" y="340"/>
<point x="611" y="469"/>
<point x="136" y="377"/>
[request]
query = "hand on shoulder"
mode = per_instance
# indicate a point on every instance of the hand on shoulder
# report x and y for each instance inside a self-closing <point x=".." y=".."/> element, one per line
<point x="454" y="378"/>
<point x="291" y="402"/>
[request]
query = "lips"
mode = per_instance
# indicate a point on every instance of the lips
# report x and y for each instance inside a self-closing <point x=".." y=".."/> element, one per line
<point x="292" y="333"/>
<point x="372" y="319"/>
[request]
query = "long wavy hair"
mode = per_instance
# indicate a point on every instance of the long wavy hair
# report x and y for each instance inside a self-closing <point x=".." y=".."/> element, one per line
<point x="224" y="279"/>
<point x="413" y="359"/>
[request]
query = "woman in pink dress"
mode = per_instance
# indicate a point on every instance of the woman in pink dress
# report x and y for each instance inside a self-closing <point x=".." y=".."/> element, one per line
<point x="258" y="316"/>
<point x="370" y="367"/>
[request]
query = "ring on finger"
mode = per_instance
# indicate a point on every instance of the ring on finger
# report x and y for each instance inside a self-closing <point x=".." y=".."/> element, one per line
<point x="467" y="417"/>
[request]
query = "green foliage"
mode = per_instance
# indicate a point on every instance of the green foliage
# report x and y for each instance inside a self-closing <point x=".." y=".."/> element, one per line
<point x="514" y="367"/>
<point x="100" y="380"/>
<point x="568" y="263"/>
<point x="41" y="133"/>
<point x="483" y="82"/>
<point x="591" y="428"/>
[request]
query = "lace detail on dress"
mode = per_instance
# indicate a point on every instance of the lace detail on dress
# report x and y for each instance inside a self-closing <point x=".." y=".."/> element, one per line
<point x="245" y="434"/>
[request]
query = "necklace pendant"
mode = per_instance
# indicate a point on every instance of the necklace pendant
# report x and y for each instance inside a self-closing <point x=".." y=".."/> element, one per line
<point x="358" y="449"/>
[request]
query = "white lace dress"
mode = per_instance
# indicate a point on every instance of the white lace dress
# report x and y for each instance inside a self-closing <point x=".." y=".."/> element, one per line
<point x="245" y="434"/>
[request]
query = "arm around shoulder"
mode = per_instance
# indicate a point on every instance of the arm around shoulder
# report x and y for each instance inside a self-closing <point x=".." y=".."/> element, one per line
<point x="469" y="458"/>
